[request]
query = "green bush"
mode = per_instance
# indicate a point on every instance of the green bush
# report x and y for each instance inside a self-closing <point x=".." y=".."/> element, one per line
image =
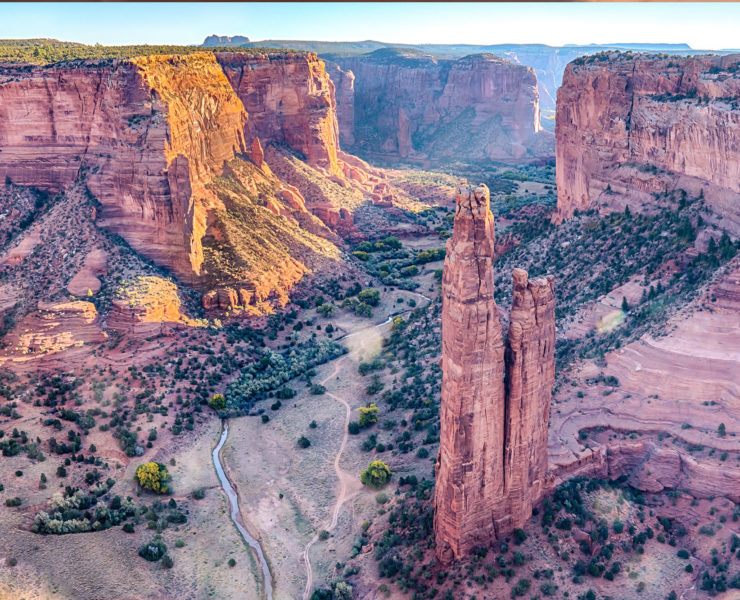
<point x="376" y="475"/>
<point x="199" y="493"/>
<point x="368" y="415"/>
<point x="153" y="550"/>
<point x="13" y="501"/>
<point x="353" y="428"/>
<point x="304" y="442"/>
<point x="370" y="297"/>
<point x="217" y="403"/>
<point x="153" y="476"/>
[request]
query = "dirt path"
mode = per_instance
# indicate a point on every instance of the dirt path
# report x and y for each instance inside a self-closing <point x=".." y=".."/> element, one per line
<point x="349" y="485"/>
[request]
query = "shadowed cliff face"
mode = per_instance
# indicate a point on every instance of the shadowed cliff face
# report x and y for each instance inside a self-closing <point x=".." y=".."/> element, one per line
<point x="413" y="106"/>
<point x="492" y="460"/>
<point x="629" y="127"/>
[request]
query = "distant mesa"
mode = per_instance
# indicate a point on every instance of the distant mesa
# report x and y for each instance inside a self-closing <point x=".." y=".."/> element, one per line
<point x="225" y="40"/>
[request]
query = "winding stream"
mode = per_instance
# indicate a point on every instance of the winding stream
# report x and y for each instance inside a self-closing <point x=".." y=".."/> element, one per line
<point x="235" y="516"/>
<point x="341" y="498"/>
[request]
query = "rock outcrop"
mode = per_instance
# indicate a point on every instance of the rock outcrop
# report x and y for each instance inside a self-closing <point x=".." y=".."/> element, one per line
<point x="214" y="40"/>
<point x="408" y="104"/>
<point x="493" y="435"/>
<point x="631" y="126"/>
<point x="290" y="100"/>
<point x="55" y="327"/>
<point x="344" y="84"/>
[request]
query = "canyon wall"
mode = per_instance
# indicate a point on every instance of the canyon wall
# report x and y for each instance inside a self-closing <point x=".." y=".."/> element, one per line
<point x="344" y="84"/>
<point x="290" y="100"/>
<point x="492" y="462"/>
<point x="147" y="134"/>
<point x="628" y="127"/>
<point x="166" y="146"/>
<point x="410" y="105"/>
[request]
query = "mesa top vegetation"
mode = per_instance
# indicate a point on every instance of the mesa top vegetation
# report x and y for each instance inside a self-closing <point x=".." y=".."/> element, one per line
<point x="49" y="51"/>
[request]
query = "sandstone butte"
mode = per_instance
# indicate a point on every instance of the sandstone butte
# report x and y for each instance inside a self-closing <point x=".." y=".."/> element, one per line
<point x="631" y="126"/>
<point x="492" y="462"/>
<point x="152" y="137"/>
<point x="407" y="104"/>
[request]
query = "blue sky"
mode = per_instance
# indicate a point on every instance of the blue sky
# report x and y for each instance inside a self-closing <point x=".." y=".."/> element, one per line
<point x="702" y="25"/>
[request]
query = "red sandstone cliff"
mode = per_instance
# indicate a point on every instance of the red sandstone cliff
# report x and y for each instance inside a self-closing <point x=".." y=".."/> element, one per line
<point x="344" y="84"/>
<point x="148" y="134"/>
<point x="492" y="460"/>
<point x="290" y="100"/>
<point x="411" y="105"/>
<point x="629" y="126"/>
<point x="161" y="143"/>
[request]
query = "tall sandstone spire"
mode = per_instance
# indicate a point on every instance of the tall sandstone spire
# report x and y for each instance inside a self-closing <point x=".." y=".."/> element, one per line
<point x="493" y="440"/>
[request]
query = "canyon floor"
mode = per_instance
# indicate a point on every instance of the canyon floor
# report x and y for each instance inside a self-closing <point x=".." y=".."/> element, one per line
<point x="639" y="403"/>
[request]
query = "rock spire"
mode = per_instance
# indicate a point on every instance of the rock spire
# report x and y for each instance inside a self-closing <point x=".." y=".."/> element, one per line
<point x="493" y="440"/>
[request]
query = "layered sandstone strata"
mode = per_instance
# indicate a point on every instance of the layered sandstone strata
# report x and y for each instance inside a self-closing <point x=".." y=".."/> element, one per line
<point x="408" y="104"/>
<point x="290" y="100"/>
<point x="344" y="84"/>
<point x="148" y="134"/>
<point x="470" y="483"/>
<point x="530" y="372"/>
<point x="631" y="126"/>
<point x="492" y="462"/>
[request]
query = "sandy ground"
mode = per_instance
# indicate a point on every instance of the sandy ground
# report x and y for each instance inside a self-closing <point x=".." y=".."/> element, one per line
<point x="101" y="565"/>
<point x="289" y="494"/>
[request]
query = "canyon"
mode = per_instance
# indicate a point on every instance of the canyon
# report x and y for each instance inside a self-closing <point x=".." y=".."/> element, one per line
<point x="631" y="127"/>
<point x="404" y="104"/>
<point x="492" y="463"/>
<point x="185" y="224"/>
<point x="173" y="148"/>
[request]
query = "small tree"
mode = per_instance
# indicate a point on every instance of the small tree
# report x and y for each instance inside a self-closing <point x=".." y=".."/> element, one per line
<point x="369" y="296"/>
<point x="154" y="550"/>
<point x="376" y="475"/>
<point x="153" y="476"/>
<point x="625" y="305"/>
<point x="721" y="431"/>
<point x="368" y="415"/>
<point x="218" y="403"/>
<point x="304" y="442"/>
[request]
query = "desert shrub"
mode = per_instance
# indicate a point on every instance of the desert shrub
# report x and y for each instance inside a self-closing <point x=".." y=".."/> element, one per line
<point x="13" y="501"/>
<point x="285" y="393"/>
<point x="153" y="476"/>
<point x="318" y="389"/>
<point x="265" y="418"/>
<point x="167" y="562"/>
<point x="217" y="402"/>
<point x="199" y="493"/>
<point x="376" y="475"/>
<point x="323" y="535"/>
<point x="232" y="562"/>
<point x="154" y="550"/>
<point x="368" y="415"/>
<point x="353" y="428"/>
<point x="128" y="527"/>
<point x="304" y="442"/>
<point x="370" y="297"/>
